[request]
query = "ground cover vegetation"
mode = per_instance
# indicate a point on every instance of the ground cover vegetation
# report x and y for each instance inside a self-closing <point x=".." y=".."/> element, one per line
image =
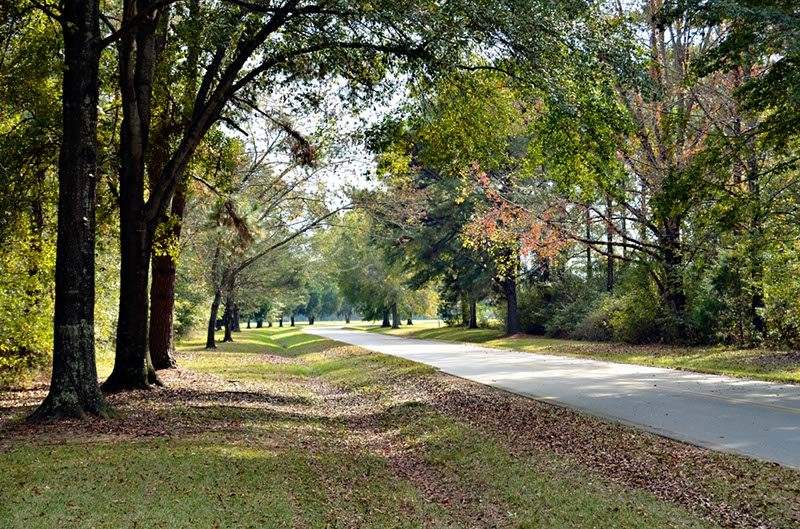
<point x="281" y="428"/>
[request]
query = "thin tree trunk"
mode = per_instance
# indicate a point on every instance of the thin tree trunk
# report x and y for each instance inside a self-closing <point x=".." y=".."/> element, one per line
<point x="512" y="313"/>
<point x="291" y="321"/>
<point x="228" y="318"/>
<point x="473" y="314"/>
<point x="609" y="246"/>
<point x="280" y="321"/>
<point x="212" y="321"/>
<point x="248" y="322"/>
<point x="674" y="294"/>
<point x="73" y="385"/>
<point x="386" y="319"/>
<point x="588" y="248"/>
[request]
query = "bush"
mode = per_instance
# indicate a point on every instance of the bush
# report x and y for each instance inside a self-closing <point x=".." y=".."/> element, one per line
<point x="633" y="317"/>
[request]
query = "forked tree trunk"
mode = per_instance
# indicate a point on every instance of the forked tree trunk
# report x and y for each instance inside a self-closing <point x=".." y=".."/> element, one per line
<point x="137" y="57"/>
<point x="73" y="385"/>
<point x="211" y="342"/>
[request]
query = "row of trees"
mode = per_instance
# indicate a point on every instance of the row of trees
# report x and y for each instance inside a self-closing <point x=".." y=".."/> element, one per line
<point x="145" y="83"/>
<point x="592" y="170"/>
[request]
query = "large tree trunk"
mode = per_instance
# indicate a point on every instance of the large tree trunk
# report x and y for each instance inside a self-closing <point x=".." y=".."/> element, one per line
<point x="473" y="314"/>
<point x="347" y="318"/>
<point x="211" y="342"/>
<point x="132" y="368"/>
<point x="386" y="319"/>
<point x="73" y="385"/>
<point x="395" y="317"/>
<point x="162" y="293"/>
<point x="409" y="321"/>
<point x="137" y="57"/>
<point x="512" y="314"/>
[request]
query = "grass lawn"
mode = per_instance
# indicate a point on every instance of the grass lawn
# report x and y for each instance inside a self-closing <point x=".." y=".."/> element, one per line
<point x="762" y="364"/>
<point x="285" y="429"/>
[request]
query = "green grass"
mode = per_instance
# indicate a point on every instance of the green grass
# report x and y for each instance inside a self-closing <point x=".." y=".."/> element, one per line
<point x="308" y="457"/>
<point x="760" y="364"/>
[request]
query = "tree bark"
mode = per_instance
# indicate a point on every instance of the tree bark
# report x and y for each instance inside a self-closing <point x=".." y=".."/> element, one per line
<point x="73" y="385"/>
<point x="211" y="342"/>
<point x="588" y="248"/>
<point x="347" y="318"/>
<point x="473" y="314"/>
<point x="609" y="246"/>
<point x="162" y="293"/>
<point x="512" y="314"/>
<point x="673" y="290"/>
<point x="386" y="319"/>
<point x="395" y="317"/>
<point x="236" y="321"/>
<point x="291" y="321"/>
<point x="137" y="57"/>
<point x="280" y="321"/>
<point x="409" y="321"/>
<point x="228" y="319"/>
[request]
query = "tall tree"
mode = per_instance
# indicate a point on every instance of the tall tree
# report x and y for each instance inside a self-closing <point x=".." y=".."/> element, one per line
<point x="73" y="387"/>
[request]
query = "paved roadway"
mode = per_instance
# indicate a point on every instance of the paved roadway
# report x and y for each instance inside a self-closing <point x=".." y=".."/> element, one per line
<point x="757" y="419"/>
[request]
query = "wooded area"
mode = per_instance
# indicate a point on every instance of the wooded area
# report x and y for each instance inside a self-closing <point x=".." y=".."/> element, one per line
<point x="592" y="171"/>
<point x="173" y="171"/>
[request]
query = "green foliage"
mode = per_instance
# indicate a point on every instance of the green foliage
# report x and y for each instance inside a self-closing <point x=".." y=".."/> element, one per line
<point x="26" y="304"/>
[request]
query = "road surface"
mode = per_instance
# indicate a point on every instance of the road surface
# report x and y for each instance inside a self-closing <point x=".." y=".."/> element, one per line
<point x="752" y="418"/>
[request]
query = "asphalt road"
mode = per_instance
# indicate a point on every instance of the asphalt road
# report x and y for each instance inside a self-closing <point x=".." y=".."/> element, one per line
<point x="752" y="418"/>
